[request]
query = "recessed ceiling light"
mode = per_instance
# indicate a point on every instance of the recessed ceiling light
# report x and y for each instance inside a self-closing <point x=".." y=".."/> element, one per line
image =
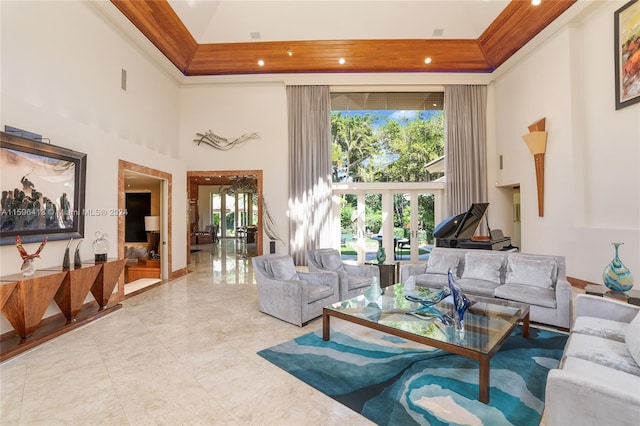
<point x="427" y="60"/>
<point x="261" y="62"/>
<point x="341" y="61"/>
<point x="289" y="52"/>
<point x="536" y="2"/>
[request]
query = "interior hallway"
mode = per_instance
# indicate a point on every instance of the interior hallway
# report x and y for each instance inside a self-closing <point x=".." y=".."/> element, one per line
<point x="183" y="352"/>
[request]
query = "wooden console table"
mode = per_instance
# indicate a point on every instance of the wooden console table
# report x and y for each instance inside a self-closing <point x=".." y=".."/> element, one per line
<point x="24" y="301"/>
<point x="30" y="298"/>
<point x="75" y="287"/>
<point x="106" y="281"/>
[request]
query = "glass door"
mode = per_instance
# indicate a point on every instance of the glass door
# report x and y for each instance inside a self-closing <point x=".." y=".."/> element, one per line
<point x="414" y="218"/>
<point x="399" y="220"/>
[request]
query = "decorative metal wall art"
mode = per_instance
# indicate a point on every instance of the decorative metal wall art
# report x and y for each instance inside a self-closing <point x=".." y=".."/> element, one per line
<point x="223" y="144"/>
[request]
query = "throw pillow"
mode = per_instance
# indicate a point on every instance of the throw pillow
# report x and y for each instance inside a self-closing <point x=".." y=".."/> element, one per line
<point x="440" y="263"/>
<point x="632" y="338"/>
<point x="283" y="269"/>
<point x="528" y="271"/>
<point x="482" y="267"/>
<point x="331" y="261"/>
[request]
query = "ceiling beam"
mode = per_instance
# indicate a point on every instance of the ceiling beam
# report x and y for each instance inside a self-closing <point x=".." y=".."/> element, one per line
<point x="518" y="23"/>
<point x="160" y="24"/>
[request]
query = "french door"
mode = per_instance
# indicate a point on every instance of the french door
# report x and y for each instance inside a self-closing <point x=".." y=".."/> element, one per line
<point x="397" y="217"/>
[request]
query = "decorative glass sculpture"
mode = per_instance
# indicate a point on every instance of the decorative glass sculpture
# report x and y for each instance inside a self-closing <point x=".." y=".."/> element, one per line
<point x="28" y="268"/>
<point x="428" y="299"/>
<point x="616" y="276"/>
<point x="373" y="292"/>
<point x="460" y="302"/>
<point x="381" y="256"/>
<point x="77" y="261"/>
<point x="66" y="260"/>
<point x="101" y="247"/>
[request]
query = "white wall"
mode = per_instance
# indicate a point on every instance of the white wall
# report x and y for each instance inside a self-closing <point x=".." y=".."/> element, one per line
<point x="231" y="111"/>
<point x="61" y="67"/>
<point x="592" y="177"/>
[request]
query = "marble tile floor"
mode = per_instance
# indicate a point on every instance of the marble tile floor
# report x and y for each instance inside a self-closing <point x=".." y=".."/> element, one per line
<point x="182" y="353"/>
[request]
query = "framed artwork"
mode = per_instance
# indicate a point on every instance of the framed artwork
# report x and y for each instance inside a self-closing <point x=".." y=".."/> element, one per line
<point x="43" y="191"/>
<point x="627" y="54"/>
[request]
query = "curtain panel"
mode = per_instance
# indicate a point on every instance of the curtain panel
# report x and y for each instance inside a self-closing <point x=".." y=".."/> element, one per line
<point x="465" y="109"/>
<point x="309" y="111"/>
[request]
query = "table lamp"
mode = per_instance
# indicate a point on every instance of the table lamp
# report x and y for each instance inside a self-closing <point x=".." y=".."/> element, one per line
<point x="152" y="226"/>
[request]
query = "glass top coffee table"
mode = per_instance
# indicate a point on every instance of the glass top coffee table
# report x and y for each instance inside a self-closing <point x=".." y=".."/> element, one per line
<point x="487" y="324"/>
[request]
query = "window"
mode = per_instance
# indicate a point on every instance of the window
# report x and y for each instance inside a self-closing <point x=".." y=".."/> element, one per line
<point x="387" y="154"/>
<point x="386" y="137"/>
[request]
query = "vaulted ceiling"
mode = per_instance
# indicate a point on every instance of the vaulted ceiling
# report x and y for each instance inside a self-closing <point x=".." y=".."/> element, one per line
<point x="203" y="37"/>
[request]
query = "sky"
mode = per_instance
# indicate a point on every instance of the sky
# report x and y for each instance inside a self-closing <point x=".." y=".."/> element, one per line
<point x="396" y="115"/>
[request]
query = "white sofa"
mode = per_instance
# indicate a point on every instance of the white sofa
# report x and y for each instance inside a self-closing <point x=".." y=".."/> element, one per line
<point x="538" y="280"/>
<point x="598" y="379"/>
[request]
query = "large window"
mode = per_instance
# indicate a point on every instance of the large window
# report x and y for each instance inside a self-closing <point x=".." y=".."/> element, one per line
<point x="388" y="151"/>
<point x="386" y="137"/>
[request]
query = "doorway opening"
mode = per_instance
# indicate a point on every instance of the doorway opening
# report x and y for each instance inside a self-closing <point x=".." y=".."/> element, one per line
<point x="225" y="206"/>
<point x="144" y="233"/>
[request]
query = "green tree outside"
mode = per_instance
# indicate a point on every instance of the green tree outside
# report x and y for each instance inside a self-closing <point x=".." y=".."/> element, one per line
<point x="369" y="148"/>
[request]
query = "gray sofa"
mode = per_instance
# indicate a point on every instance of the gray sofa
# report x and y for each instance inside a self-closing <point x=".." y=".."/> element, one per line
<point x="538" y="280"/>
<point x="598" y="379"/>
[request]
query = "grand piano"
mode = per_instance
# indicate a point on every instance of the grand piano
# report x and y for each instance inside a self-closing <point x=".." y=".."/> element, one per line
<point x="458" y="232"/>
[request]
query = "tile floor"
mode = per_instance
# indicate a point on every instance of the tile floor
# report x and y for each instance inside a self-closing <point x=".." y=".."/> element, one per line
<point x="182" y="353"/>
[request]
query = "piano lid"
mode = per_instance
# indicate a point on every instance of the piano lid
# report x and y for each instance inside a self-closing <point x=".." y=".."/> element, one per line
<point x="461" y="226"/>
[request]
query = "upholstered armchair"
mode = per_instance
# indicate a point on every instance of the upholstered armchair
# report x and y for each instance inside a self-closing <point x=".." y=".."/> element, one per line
<point x="354" y="279"/>
<point x="289" y="295"/>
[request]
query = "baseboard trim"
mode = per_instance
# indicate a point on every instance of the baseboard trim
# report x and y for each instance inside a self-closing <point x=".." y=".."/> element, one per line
<point x="578" y="283"/>
<point x="178" y="273"/>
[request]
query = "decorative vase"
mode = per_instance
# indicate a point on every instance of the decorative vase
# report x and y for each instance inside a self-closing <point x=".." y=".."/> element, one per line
<point x="616" y="276"/>
<point x="460" y="303"/>
<point x="373" y="292"/>
<point x="77" y="261"/>
<point x="381" y="256"/>
<point x="101" y="247"/>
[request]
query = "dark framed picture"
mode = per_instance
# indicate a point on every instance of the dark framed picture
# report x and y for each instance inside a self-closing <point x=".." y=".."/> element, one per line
<point x="627" y="53"/>
<point x="43" y="191"/>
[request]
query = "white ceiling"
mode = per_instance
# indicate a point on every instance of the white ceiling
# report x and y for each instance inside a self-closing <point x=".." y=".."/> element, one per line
<point x="140" y="182"/>
<point x="234" y="21"/>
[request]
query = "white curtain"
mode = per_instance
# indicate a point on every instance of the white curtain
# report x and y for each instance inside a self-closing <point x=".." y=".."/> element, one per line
<point x="309" y="110"/>
<point x="465" y="109"/>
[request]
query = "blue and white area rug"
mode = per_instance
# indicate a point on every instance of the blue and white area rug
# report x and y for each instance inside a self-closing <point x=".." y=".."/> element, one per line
<point x="392" y="381"/>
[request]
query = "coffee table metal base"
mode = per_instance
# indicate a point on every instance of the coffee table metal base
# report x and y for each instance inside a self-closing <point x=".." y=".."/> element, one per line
<point x="484" y="360"/>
